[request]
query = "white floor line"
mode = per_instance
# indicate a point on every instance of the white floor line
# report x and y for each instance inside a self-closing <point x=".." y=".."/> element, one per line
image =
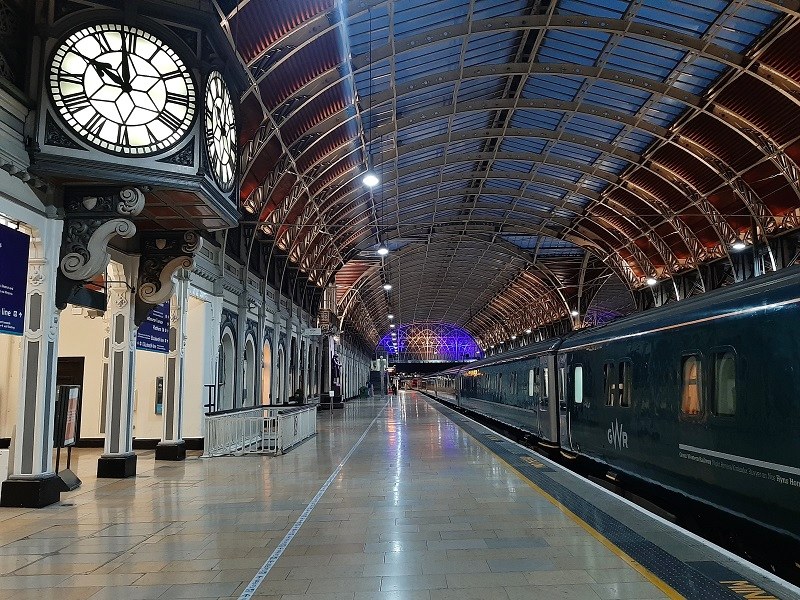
<point x="278" y="552"/>
<point x="711" y="545"/>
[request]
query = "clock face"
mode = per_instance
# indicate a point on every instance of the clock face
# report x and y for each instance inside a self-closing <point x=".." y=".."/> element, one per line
<point x="122" y="89"/>
<point x="220" y="126"/>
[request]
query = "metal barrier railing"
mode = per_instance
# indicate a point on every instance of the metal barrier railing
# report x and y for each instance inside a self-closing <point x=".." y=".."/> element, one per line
<point x="259" y="430"/>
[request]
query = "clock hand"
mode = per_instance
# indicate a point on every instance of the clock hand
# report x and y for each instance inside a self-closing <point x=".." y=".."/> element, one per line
<point x="126" y="67"/>
<point x="103" y="68"/>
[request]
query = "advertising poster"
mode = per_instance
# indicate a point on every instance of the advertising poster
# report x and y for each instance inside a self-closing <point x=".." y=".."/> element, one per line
<point x="14" y="247"/>
<point x="153" y="334"/>
<point x="71" y="422"/>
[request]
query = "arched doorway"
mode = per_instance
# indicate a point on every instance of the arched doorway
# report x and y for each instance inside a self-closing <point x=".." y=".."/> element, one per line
<point x="249" y="396"/>
<point x="281" y="378"/>
<point x="226" y="381"/>
<point x="266" y="374"/>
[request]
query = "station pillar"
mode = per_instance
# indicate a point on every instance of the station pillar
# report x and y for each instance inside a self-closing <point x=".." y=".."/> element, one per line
<point x="118" y="459"/>
<point x="172" y="446"/>
<point x="33" y="484"/>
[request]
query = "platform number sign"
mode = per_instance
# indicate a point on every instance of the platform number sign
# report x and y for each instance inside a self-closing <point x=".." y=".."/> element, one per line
<point x="14" y="248"/>
<point x="122" y="89"/>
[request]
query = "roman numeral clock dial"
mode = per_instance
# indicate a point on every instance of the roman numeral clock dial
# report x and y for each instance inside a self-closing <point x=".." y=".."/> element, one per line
<point x="122" y="90"/>
<point x="220" y="129"/>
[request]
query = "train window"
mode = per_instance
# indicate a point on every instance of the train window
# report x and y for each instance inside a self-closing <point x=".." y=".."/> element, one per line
<point x="691" y="388"/>
<point x="532" y="383"/>
<point x="725" y="383"/>
<point x="609" y="383"/>
<point x="514" y="382"/>
<point x="578" y="376"/>
<point x="624" y="383"/>
<point x="546" y="389"/>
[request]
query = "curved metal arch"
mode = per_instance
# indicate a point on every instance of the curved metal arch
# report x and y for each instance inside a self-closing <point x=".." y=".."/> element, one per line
<point x="514" y="24"/>
<point x="657" y="243"/>
<point x="514" y="104"/>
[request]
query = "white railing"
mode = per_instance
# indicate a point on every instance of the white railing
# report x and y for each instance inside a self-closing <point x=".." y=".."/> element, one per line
<point x="261" y="430"/>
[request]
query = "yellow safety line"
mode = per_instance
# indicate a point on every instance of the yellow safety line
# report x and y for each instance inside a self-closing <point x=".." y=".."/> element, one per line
<point x="664" y="587"/>
<point x="635" y="565"/>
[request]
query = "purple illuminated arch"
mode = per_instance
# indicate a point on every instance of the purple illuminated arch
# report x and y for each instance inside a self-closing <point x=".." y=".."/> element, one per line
<point x="429" y="342"/>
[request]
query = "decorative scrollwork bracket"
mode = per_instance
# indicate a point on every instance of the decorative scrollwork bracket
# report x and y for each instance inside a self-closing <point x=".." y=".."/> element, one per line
<point x="163" y="253"/>
<point x="90" y="222"/>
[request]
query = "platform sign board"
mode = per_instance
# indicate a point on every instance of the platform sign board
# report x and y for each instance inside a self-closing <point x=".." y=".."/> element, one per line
<point x="14" y="247"/>
<point x="153" y="333"/>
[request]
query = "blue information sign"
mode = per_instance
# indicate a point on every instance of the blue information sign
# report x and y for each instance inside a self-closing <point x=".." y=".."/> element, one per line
<point x="14" y="246"/>
<point x="153" y="334"/>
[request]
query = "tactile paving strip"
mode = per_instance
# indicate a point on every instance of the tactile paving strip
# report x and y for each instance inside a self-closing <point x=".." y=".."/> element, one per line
<point x="683" y="578"/>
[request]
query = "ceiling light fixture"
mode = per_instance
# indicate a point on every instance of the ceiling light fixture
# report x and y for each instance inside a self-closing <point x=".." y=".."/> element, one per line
<point x="574" y="313"/>
<point x="739" y="246"/>
<point x="391" y="316"/>
<point x="528" y="330"/>
<point x="651" y="281"/>
<point x="383" y="250"/>
<point x="513" y="337"/>
<point x="391" y="325"/>
<point x="370" y="179"/>
<point x="387" y="286"/>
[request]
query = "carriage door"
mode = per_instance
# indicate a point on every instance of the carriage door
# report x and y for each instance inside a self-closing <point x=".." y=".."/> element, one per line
<point x="563" y="413"/>
<point x="548" y="404"/>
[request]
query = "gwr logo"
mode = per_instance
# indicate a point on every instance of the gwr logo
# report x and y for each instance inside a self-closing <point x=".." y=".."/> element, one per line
<point x="616" y="436"/>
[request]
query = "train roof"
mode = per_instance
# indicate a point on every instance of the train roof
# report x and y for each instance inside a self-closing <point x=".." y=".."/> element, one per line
<point x="769" y="291"/>
<point x="529" y="351"/>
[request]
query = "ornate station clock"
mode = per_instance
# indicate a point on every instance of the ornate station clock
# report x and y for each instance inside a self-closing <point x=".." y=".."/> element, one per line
<point x="220" y="130"/>
<point x="122" y="90"/>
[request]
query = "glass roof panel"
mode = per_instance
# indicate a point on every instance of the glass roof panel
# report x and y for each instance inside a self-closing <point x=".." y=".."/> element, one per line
<point x="464" y="147"/>
<point x="480" y="88"/>
<point x="492" y="48"/>
<point x="576" y="47"/>
<point x="412" y="158"/>
<point x="612" y="164"/>
<point x="574" y="152"/>
<point x="608" y="8"/>
<point x="557" y="172"/>
<point x="536" y="119"/>
<point x="462" y="167"/>
<point x="686" y="17"/>
<point x="664" y="111"/>
<point x="698" y="75"/>
<point x="529" y="145"/>
<point x="486" y="9"/>
<point x="644" y="58"/>
<point x="635" y="141"/>
<point x="550" y="87"/>
<point x="434" y="96"/>
<point x="411" y="16"/>
<point x="371" y="26"/>
<point x="471" y="120"/>
<point x="431" y="58"/>
<point x="594" y="127"/>
<point x="514" y="166"/>
<point x="536" y="204"/>
<point x="617" y="97"/>
<point x="594" y="184"/>
<point x="509" y="184"/>
<point x="544" y="190"/>
<point x="421" y="131"/>
<point x="739" y="30"/>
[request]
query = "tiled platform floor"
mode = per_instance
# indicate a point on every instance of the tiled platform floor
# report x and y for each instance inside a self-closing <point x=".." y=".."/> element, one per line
<point x="420" y="511"/>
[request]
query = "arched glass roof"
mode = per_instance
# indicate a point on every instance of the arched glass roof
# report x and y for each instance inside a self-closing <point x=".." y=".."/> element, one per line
<point x="533" y="155"/>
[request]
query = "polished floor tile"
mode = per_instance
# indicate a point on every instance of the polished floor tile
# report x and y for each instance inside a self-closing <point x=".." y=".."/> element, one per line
<point x="420" y="511"/>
